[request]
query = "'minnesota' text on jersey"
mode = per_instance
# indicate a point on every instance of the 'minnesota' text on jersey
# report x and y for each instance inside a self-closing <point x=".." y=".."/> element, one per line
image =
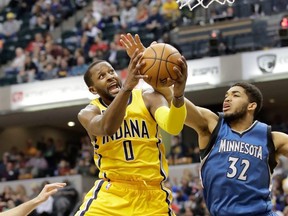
<point x="236" y="170"/>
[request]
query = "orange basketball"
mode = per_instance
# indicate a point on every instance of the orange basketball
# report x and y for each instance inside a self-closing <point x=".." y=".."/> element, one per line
<point x="160" y="58"/>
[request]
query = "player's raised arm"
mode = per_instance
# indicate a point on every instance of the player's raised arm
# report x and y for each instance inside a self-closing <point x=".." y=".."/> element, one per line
<point x="27" y="207"/>
<point x="102" y="79"/>
<point x="170" y="119"/>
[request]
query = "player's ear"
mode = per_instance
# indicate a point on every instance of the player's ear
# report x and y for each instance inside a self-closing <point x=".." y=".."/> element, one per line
<point x="92" y="90"/>
<point x="252" y="106"/>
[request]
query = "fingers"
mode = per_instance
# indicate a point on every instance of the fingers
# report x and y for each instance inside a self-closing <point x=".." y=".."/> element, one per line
<point x="124" y="41"/>
<point x="136" y="57"/>
<point x="137" y="39"/>
<point x="170" y="82"/>
<point x="52" y="192"/>
<point x="127" y="40"/>
<point x="52" y="186"/>
<point x="154" y="42"/>
<point x="178" y="72"/>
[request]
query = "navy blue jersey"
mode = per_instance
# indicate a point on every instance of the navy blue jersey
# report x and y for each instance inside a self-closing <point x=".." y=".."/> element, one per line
<point x="236" y="170"/>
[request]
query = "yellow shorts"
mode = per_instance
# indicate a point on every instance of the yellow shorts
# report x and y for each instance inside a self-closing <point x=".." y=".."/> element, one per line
<point x="127" y="199"/>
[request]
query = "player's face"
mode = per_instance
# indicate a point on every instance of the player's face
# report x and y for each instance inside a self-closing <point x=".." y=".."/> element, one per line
<point x="235" y="104"/>
<point x="106" y="81"/>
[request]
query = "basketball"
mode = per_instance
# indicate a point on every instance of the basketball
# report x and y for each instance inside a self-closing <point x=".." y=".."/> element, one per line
<point x="160" y="58"/>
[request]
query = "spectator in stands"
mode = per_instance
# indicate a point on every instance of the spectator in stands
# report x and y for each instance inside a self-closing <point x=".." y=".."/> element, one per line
<point x="68" y="57"/>
<point x="11" y="26"/>
<point x="64" y="70"/>
<point x="97" y="10"/>
<point x="78" y="52"/>
<point x="170" y="11"/>
<point x="90" y="17"/>
<point x="20" y="194"/>
<point x="157" y="3"/>
<point x="155" y="23"/>
<point x="3" y="162"/>
<point x="17" y="63"/>
<point x="98" y="45"/>
<point x="111" y="55"/>
<point x="7" y="194"/>
<point x="21" y="166"/>
<point x="10" y="173"/>
<point x="128" y="15"/>
<point x="53" y="49"/>
<point x="80" y="68"/>
<point x="142" y="15"/>
<point x="37" y="165"/>
<point x="3" y="4"/>
<point x="29" y="72"/>
<point x="37" y="42"/>
<point x="84" y="44"/>
<point x="67" y="8"/>
<point x="110" y="8"/>
<point x="49" y="72"/>
<point x="91" y="30"/>
<point x="30" y="150"/>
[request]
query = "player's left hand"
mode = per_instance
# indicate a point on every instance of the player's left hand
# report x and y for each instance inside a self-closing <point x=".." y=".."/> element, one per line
<point x="133" y="71"/>
<point x="48" y="190"/>
<point x="132" y="43"/>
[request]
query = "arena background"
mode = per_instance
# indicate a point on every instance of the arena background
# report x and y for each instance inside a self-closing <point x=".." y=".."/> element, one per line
<point x="254" y="35"/>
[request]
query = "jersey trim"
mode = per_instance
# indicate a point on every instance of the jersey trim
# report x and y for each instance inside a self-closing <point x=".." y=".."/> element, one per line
<point x="95" y="194"/>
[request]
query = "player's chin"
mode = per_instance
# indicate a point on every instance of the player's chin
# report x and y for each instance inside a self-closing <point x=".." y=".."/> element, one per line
<point x="114" y="92"/>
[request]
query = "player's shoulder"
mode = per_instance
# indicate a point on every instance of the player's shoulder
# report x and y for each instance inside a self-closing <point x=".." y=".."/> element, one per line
<point x="90" y="108"/>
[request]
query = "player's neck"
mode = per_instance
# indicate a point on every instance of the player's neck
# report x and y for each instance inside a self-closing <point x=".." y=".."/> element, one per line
<point x="241" y="125"/>
<point x="107" y="103"/>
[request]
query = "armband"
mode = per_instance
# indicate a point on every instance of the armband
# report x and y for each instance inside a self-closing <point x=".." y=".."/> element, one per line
<point x="171" y="119"/>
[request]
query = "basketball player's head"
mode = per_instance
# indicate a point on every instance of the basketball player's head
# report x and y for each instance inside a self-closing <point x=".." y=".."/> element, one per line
<point x="102" y="79"/>
<point x="242" y="98"/>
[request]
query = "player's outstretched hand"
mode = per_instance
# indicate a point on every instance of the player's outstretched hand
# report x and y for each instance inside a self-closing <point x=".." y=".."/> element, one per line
<point x="134" y="71"/>
<point x="131" y="43"/>
<point x="48" y="190"/>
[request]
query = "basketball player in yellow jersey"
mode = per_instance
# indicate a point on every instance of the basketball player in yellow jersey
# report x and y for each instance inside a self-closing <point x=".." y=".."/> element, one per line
<point x="123" y="124"/>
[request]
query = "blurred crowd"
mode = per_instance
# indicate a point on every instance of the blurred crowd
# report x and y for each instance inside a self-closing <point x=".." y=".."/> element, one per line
<point x="48" y="157"/>
<point x="94" y="36"/>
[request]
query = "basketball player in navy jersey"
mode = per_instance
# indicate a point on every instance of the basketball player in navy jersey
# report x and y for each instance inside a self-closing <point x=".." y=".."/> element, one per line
<point x="238" y="153"/>
<point x="123" y="124"/>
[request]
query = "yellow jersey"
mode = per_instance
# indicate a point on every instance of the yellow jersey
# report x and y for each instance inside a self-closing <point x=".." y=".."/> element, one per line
<point x="135" y="152"/>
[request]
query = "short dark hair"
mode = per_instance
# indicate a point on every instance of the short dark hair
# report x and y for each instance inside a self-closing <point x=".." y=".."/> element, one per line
<point x="88" y="75"/>
<point x="253" y="93"/>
